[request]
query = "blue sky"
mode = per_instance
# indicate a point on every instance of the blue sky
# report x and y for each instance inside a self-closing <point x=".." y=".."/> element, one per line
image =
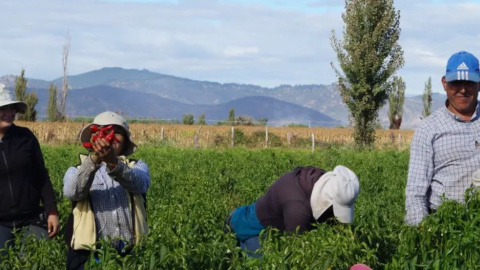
<point x="266" y="43"/>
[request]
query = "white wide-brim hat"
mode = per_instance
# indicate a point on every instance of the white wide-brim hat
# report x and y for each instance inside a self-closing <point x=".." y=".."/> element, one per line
<point x="339" y="188"/>
<point x="106" y="119"/>
<point x="6" y="99"/>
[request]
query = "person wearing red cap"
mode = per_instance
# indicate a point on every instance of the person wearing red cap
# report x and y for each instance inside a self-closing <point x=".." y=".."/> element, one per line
<point x="296" y="200"/>
<point x="444" y="151"/>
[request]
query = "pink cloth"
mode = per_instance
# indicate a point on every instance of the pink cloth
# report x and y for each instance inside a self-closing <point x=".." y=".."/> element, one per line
<point x="360" y="266"/>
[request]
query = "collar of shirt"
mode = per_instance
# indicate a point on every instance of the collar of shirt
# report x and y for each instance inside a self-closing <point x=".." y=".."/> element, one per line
<point x="455" y="117"/>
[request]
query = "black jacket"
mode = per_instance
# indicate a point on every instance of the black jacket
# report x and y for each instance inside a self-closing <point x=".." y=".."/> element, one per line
<point x="24" y="180"/>
<point x="286" y="204"/>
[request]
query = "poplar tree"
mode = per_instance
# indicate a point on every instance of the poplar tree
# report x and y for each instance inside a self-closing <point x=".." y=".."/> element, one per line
<point x="31" y="99"/>
<point x="201" y="120"/>
<point x="427" y="98"/>
<point x="395" y="103"/>
<point x="53" y="114"/>
<point x="65" y="86"/>
<point x="368" y="55"/>
<point x="231" y="117"/>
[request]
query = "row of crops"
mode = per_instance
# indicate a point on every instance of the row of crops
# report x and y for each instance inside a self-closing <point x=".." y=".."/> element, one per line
<point x="193" y="190"/>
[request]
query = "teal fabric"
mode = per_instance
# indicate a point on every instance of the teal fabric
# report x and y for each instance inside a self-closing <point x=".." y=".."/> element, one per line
<point x="245" y="222"/>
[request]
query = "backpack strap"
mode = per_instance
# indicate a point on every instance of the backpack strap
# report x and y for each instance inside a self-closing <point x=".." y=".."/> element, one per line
<point x="138" y="205"/>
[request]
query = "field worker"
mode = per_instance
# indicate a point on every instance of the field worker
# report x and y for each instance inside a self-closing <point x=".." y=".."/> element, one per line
<point x="445" y="148"/>
<point x="107" y="191"/>
<point x="24" y="179"/>
<point x="296" y="200"/>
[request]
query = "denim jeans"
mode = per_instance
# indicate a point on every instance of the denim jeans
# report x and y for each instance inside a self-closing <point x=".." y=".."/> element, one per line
<point x="251" y="246"/>
<point x="7" y="237"/>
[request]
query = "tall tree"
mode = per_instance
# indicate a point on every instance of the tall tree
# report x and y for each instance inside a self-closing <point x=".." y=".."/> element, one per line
<point x="427" y="98"/>
<point x="31" y="99"/>
<point x="368" y="56"/>
<point x="201" y="120"/>
<point x="231" y="116"/>
<point x="52" y="110"/>
<point x="395" y="103"/>
<point x="63" y="97"/>
<point x="21" y="86"/>
<point x="188" y="119"/>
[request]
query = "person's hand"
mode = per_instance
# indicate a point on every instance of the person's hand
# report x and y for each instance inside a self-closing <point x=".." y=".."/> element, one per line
<point x="53" y="225"/>
<point x="105" y="152"/>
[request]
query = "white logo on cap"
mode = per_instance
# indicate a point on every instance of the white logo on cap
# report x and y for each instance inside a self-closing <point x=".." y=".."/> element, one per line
<point x="462" y="66"/>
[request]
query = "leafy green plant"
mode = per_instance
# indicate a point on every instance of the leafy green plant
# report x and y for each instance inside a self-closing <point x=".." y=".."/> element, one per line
<point x="192" y="191"/>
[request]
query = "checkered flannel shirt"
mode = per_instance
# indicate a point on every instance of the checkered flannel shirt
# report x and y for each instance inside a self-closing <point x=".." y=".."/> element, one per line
<point x="444" y="154"/>
<point x="108" y="191"/>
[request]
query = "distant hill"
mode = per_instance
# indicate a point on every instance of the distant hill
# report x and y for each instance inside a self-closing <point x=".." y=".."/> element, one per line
<point x="142" y="93"/>
<point x="93" y="100"/>
<point x="277" y="112"/>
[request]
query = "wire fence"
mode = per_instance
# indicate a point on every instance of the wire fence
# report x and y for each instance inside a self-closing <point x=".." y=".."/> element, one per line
<point x="207" y="136"/>
<point x="251" y="122"/>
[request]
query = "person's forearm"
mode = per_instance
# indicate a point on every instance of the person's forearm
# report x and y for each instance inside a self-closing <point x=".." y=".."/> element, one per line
<point x="136" y="179"/>
<point x="78" y="181"/>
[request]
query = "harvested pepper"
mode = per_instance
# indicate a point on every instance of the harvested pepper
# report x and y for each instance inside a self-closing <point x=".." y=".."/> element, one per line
<point x="101" y="132"/>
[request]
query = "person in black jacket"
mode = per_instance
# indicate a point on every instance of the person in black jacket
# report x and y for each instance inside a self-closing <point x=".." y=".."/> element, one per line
<point x="295" y="201"/>
<point x="27" y="198"/>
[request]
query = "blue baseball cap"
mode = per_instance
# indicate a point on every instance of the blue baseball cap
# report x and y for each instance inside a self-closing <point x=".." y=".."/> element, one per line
<point x="462" y="66"/>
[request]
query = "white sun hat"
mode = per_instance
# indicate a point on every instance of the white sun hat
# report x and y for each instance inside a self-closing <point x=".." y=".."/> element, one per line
<point x="6" y="99"/>
<point x="106" y="119"/>
<point x="339" y="188"/>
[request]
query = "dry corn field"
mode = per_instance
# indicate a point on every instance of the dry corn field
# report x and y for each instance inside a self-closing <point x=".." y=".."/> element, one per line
<point x="219" y="136"/>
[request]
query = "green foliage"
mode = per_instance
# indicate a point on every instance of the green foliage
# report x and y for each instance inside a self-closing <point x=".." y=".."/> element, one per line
<point x="395" y="103"/>
<point x="427" y="98"/>
<point x="188" y="119"/>
<point x="244" y="120"/>
<point x="262" y="121"/>
<point x="53" y="114"/>
<point x="368" y="56"/>
<point x="201" y="120"/>
<point x="447" y="239"/>
<point x="259" y="137"/>
<point x="86" y="119"/>
<point x="296" y="125"/>
<point x="192" y="191"/>
<point x="31" y="99"/>
<point x="20" y="86"/>
<point x="231" y="116"/>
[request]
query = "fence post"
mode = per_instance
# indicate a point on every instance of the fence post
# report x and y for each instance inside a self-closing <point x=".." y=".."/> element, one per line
<point x="266" y="136"/>
<point x="207" y="144"/>
<point x="233" y="137"/>
<point x="313" y="142"/>
<point x="162" y="136"/>
<point x="289" y="138"/>
<point x="196" y="137"/>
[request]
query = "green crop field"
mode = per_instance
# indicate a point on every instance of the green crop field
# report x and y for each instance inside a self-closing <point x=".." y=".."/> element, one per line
<point x="193" y="190"/>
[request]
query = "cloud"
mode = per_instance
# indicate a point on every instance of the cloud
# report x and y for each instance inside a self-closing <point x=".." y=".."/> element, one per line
<point x="232" y="51"/>
<point x="267" y="43"/>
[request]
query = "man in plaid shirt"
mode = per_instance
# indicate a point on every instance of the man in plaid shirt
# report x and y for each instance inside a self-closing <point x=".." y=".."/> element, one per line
<point x="445" y="148"/>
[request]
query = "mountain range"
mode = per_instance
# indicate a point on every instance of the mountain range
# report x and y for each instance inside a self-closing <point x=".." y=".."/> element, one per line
<point x="145" y="94"/>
